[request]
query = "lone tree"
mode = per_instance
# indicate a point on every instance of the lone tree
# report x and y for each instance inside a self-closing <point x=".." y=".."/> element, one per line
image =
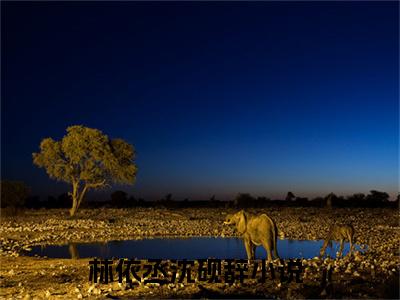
<point x="87" y="159"/>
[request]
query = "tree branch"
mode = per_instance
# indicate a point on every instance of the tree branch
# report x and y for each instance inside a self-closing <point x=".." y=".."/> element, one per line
<point x="82" y="194"/>
<point x="96" y="185"/>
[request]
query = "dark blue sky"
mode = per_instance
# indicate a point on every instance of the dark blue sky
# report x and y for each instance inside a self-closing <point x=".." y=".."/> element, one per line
<point x="217" y="98"/>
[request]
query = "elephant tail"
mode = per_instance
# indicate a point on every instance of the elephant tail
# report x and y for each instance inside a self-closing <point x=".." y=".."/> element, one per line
<point x="275" y="240"/>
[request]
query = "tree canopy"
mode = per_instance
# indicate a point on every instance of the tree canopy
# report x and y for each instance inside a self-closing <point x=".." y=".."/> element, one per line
<point x="87" y="159"/>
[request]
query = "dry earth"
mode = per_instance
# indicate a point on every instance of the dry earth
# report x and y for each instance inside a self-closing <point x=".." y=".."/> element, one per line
<point x="372" y="274"/>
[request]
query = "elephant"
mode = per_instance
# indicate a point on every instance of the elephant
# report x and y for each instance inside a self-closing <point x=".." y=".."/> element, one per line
<point x="338" y="233"/>
<point x="255" y="231"/>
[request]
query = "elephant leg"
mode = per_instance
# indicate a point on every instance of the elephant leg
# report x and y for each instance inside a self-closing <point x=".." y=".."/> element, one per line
<point x="351" y="245"/>
<point x="341" y="248"/>
<point x="276" y="249"/>
<point x="268" y="250"/>
<point x="253" y="251"/>
<point x="248" y="246"/>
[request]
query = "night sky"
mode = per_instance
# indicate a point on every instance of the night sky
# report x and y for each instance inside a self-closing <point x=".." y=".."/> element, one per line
<point x="217" y="98"/>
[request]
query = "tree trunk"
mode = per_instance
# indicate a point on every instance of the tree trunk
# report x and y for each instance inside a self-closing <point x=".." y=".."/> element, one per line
<point x="80" y="198"/>
<point x="74" y="208"/>
<point x="75" y="198"/>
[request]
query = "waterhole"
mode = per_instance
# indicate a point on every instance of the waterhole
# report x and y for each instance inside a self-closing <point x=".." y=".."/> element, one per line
<point x="183" y="248"/>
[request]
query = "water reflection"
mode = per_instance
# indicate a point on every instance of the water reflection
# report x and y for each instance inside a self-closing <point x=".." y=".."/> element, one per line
<point x="73" y="251"/>
<point x="189" y="248"/>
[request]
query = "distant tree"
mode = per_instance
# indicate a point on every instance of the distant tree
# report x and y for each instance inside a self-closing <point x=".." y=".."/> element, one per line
<point x="168" y="197"/>
<point x="87" y="159"/>
<point x="165" y="201"/>
<point x="64" y="200"/>
<point x="119" y="199"/>
<point x="318" y="202"/>
<point x="132" y="201"/>
<point x="51" y="202"/>
<point x="33" y="202"/>
<point x="290" y="196"/>
<point x="13" y="193"/>
<point x="212" y="198"/>
<point x="244" y="200"/>
<point x="301" y="201"/>
<point x="376" y="198"/>
<point x="263" y="201"/>
<point x="340" y="201"/>
<point x="141" y="202"/>
<point x="357" y="197"/>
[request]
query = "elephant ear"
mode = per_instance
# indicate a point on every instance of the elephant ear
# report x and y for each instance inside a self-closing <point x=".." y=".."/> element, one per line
<point x="242" y="224"/>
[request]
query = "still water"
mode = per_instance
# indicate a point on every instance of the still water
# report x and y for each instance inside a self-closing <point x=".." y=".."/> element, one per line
<point x="187" y="248"/>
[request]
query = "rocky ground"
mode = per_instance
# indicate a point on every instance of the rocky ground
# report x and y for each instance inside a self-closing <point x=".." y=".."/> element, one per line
<point x="371" y="274"/>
